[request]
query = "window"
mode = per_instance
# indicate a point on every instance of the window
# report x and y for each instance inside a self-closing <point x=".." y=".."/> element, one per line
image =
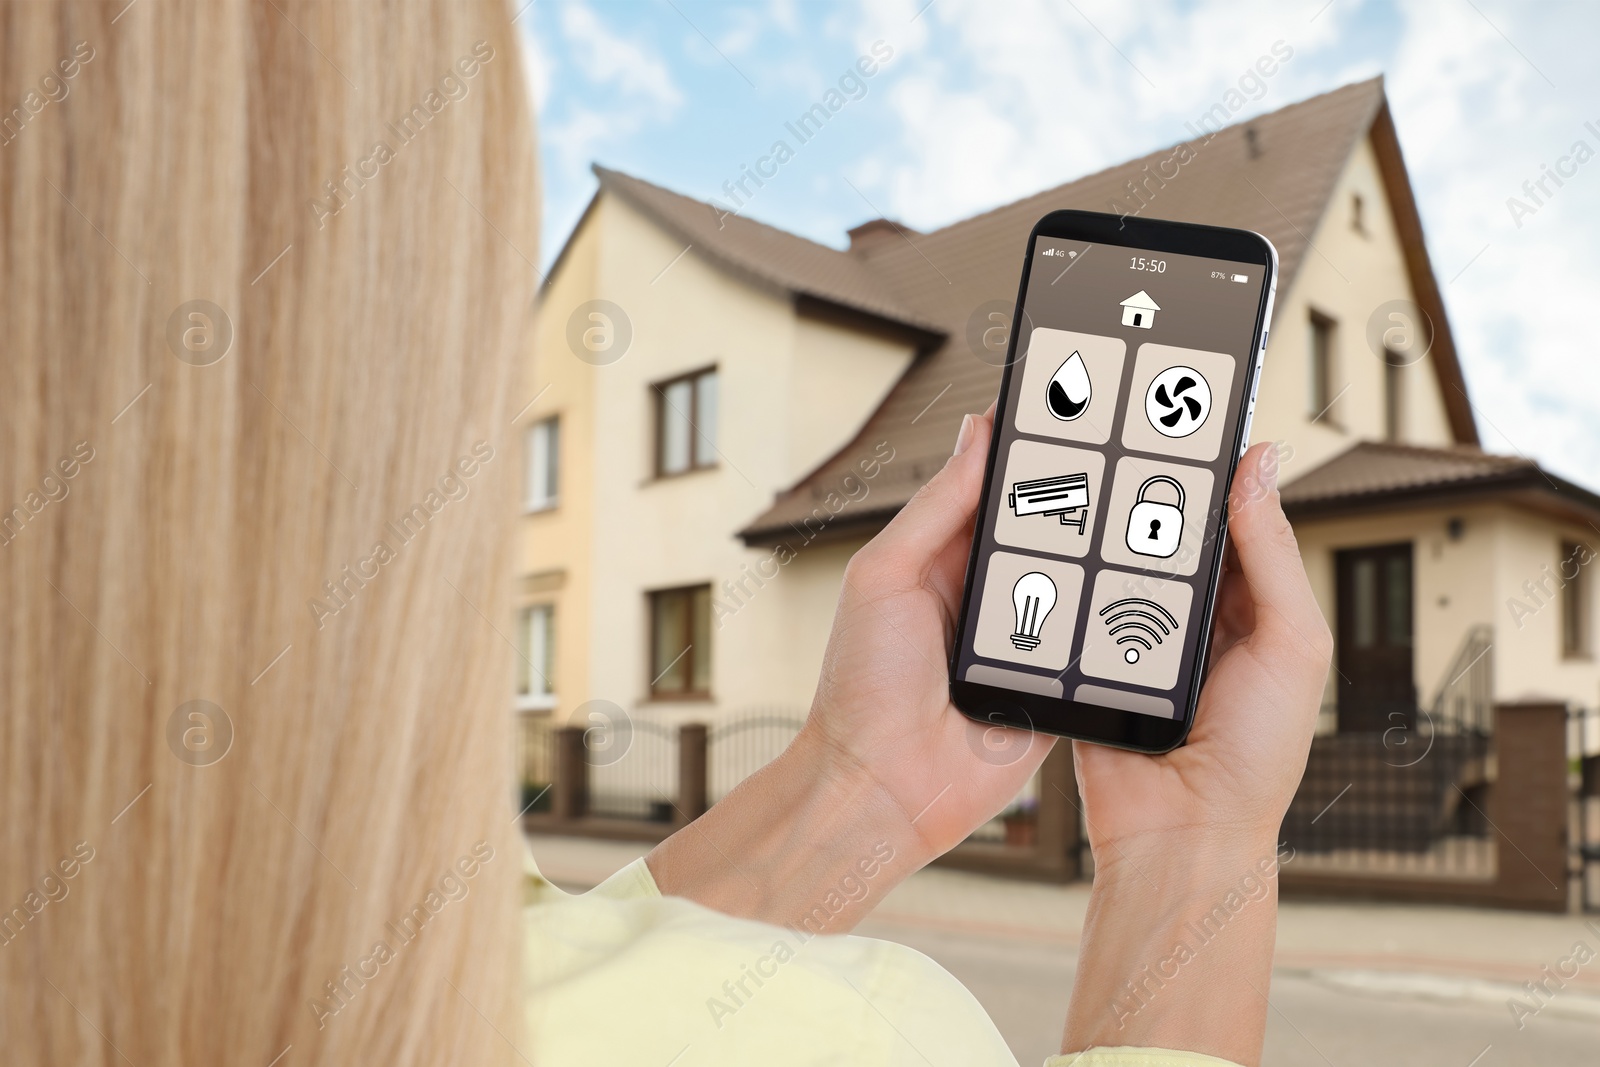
<point x="1574" y="601"/>
<point x="543" y="446"/>
<point x="1358" y="220"/>
<point x="686" y="423"/>
<point x="680" y="643"/>
<point x="536" y="663"/>
<point x="1394" y="397"/>
<point x="1322" y="395"/>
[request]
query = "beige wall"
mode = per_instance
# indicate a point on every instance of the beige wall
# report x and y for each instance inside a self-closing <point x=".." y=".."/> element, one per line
<point x="1346" y="275"/>
<point x="1529" y="660"/>
<point x="837" y="379"/>
<point x="1466" y="581"/>
<point x="792" y="391"/>
<point x="554" y="550"/>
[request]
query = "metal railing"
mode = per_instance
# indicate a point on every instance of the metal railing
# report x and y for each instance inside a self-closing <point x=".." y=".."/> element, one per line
<point x="535" y="760"/>
<point x="638" y="779"/>
<point x="1465" y="699"/>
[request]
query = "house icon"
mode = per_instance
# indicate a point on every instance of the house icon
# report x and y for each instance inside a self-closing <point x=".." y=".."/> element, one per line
<point x="1139" y="310"/>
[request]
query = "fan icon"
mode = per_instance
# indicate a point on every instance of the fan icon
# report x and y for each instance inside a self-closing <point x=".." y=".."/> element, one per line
<point x="1177" y="402"/>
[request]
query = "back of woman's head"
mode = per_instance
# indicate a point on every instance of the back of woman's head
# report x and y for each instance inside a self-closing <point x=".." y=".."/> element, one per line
<point x="263" y="286"/>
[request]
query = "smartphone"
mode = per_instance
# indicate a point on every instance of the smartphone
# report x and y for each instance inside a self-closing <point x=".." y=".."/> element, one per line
<point x="1125" y="404"/>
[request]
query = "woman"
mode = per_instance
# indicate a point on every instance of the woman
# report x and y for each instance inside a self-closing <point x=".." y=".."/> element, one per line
<point x="266" y="286"/>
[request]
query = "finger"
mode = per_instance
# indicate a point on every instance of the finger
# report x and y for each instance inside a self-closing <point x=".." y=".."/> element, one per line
<point x="905" y="552"/>
<point x="1286" y="616"/>
<point x="1234" y="616"/>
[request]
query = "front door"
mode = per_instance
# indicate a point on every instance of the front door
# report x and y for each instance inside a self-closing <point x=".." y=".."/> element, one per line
<point x="1376" y="682"/>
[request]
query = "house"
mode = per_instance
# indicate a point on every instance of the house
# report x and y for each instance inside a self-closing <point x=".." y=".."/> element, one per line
<point x="728" y="411"/>
<point x="1139" y="310"/>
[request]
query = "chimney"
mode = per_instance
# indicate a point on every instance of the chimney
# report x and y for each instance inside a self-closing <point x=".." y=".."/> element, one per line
<point x="874" y="232"/>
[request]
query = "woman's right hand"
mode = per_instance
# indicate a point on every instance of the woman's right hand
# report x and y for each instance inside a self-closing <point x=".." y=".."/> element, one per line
<point x="1174" y="835"/>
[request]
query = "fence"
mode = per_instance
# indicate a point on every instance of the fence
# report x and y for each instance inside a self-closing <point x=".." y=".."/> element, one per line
<point x="1468" y="803"/>
<point x="1583" y="773"/>
<point x="636" y="775"/>
<point x="1408" y="800"/>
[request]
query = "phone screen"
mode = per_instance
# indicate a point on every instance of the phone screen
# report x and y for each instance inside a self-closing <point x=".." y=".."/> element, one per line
<point x="1122" y="413"/>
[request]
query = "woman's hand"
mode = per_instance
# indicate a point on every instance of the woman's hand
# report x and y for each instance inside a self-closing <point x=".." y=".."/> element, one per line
<point x="882" y="709"/>
<point x="885" y="763"/>
<point x="1243" y="759"/>
<point x="1179" y="836"/>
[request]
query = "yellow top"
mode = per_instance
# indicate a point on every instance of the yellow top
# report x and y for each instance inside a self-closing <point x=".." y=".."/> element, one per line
<point x="622" y="975"/>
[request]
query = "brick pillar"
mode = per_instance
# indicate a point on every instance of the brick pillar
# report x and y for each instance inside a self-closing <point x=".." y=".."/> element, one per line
<point x="1059" y="837"/>
<point x="692" y="793"/>
<point x="1528" y="805"/>
<point x="569" y="796"/>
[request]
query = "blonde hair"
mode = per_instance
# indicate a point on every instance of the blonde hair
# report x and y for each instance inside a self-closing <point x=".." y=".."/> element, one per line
<point x="348" y="190"/>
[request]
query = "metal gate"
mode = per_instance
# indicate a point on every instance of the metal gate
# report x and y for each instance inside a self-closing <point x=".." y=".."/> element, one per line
<point x="1583" y="774"/>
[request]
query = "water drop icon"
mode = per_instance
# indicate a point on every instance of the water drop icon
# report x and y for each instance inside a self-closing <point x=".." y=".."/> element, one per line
<point x="1068" y="394"/>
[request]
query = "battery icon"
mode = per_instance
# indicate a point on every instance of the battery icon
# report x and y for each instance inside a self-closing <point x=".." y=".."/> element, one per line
<point x="1241" y="277"/>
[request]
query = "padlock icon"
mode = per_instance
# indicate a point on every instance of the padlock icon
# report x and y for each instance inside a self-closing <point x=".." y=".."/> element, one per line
<point x="1153" y="527"/>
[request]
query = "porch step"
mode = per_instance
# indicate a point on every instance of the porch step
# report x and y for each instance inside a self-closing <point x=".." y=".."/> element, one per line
<point x="1362" y="793"/>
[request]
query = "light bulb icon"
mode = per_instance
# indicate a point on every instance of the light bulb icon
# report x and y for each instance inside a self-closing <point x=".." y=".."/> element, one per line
<point x="1034" y="595"/>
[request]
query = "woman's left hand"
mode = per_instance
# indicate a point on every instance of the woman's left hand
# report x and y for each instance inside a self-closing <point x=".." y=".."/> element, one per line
<point x="885" y="765"/>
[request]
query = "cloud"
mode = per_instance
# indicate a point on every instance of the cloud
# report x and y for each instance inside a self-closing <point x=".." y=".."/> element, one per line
<point x="605" y="58"/>
<point x="1002" y="107"/>
<point x="1477" y="120"/>
<point x="994" y="109"/>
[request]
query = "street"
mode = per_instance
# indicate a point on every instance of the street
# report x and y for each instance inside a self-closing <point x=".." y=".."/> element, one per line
<point x="1317" y="1019"/>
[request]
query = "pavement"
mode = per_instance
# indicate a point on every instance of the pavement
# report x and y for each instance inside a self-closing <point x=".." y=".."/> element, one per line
<point x="1353" y="983"/>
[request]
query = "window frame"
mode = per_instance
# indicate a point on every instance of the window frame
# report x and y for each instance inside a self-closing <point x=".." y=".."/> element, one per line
<point x="1394" y="397"/>
<point x="1321" y="373"/>
<point x="1576" y="603"/>
<point x="696" y="433"/>
<point x="541" y="694"/>
<point x="552" y="498"/>
<point x="690" y="658"/>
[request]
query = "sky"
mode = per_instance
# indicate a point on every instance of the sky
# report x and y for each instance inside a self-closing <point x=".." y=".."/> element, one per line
<point x="975" y="103"/>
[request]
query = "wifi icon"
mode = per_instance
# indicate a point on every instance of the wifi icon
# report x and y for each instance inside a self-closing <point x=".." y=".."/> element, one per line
<point x="1135" y="623"/>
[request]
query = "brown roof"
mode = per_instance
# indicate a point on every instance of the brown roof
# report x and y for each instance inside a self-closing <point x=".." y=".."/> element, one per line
<point x="1277" y="179"/>
<point x="1378" y="475"/>
<point x="765" y="254"/>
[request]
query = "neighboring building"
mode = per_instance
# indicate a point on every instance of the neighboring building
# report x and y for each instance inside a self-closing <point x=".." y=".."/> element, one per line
<point x="713" y="444"/>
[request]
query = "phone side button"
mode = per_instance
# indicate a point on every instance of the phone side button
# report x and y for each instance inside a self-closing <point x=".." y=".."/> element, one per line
<point x="1244" y="438"/>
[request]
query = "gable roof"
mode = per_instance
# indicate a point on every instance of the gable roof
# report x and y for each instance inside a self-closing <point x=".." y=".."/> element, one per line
<point x="1274" y="174"/>
<point x="1375" y="475"/>
<point x="766" y="255"/>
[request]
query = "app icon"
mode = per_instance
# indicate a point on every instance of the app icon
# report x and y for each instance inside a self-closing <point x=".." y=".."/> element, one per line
<point x="1137" y="629"/>
<point x="1052" y="498"/>
<point x="1070" y="390"/>
<point x="1177" y="401"/>
<point x="1066" y="496"/>
<point x="1033" y="596"/>
<point x="1136" y="623"/>
<point x="1156" y="515"/>
<point x="1028" y="611"/>
<point x="1154" y="527"/>
<point x="1139" y="310"/>
<point x="1071" y="385"/>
